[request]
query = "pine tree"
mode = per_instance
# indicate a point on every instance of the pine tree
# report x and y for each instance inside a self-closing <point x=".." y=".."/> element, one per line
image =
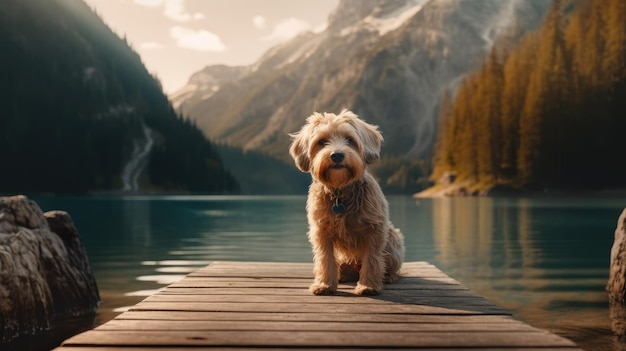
<point x="614" y="59"/>
<point x="494" y="85"/>
<point x="541" y="115"/>
<point x="515" y="86"/>
<point x="590" y="51"/>
<point x="444" y="157"/>
<point x="466" y="125"/>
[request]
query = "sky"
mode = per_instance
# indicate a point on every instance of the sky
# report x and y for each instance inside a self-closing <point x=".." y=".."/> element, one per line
<point x="177" y="38"/>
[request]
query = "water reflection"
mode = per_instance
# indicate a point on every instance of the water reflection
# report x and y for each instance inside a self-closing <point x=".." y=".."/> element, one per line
<point x="137" y="221"/>
<point x="544" y="260"/>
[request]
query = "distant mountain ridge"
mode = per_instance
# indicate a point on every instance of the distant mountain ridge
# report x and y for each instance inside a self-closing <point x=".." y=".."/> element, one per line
<point x="207" y="82"/>
<point x="387" y="60"/>
<point x="80" y="112"/>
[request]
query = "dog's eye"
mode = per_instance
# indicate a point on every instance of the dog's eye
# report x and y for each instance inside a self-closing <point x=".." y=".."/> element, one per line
<point x="322" y="142"/>
<point x="349" y="140"/>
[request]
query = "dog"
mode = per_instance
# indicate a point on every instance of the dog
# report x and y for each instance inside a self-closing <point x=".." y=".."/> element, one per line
<point x="349" y="228"/>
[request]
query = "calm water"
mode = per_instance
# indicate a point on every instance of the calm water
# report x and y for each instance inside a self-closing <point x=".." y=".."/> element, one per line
<point x="545" y="260"/>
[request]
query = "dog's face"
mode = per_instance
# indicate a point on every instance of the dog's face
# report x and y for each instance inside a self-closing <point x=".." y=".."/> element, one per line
<point x="335" y="149"/>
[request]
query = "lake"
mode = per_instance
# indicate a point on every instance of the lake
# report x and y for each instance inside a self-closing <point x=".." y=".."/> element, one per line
<point x="544" y="259"/>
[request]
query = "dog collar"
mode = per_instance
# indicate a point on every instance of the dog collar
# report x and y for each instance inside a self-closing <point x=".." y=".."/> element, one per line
<point x="338" y="206"/>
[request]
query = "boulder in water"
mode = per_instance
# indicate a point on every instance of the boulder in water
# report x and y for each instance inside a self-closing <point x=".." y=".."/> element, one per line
<point x="616" y="286"/>
<point x="45" y="276"/>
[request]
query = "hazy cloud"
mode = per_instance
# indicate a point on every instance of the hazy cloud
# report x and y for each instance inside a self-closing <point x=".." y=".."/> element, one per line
<point x="287" y="29"/>
<point x="150" y="3"/>
<point x="173" y="9"/>
<point x="259" y="21"/>
<point x="200" y="40"/>
<point x="151" y="45"/>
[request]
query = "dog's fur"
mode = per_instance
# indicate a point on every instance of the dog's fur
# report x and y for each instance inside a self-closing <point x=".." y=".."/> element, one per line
<point x="358" y="241"/>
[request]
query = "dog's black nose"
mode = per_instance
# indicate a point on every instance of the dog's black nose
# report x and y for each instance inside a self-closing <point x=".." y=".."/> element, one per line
<point x="337" y="157"/>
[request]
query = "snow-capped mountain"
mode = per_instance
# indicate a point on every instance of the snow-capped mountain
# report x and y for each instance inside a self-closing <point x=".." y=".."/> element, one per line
<point x="387" y="60"/>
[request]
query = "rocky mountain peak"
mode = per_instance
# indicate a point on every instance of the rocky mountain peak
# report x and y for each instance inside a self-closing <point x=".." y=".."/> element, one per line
<point x="387" y="60"/>
<point x="381" y="15"/>
<point x="207" y="82"/>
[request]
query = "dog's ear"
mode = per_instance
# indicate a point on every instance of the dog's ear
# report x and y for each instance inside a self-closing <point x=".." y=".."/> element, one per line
<point x="299" y="149"/>
<point x="371" y="138"/>
<point x="372" y="141"/>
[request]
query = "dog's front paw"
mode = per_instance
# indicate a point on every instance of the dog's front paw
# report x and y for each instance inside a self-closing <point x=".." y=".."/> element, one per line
<point x="365" y="290"/>
<point x="321" y="289"/>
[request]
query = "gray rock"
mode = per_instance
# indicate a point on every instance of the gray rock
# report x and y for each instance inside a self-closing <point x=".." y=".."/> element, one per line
<point x="45" y="276"/>
<point x="616" y="286"/>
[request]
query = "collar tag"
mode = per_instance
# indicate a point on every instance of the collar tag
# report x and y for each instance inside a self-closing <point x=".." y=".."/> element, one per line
<point x="338" y="207"/>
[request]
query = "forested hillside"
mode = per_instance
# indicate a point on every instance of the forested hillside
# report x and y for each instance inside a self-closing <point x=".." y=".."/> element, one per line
<point x="261" y="174"/>
<point x="547" y="113"/>
<point x="79" y="112"/>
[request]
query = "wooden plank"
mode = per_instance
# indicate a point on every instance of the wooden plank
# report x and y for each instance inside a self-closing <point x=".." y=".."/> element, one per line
<point x="290" y="274"/>
<point x="154" y="325"/>
<point x="368" y="338"/>
<point x="442" y="279"/>
<point x="243" y="305"/>
<point x="350" y="299"/>
<point x="409" y="297"/>
<point x="293" y="292"/>
<point x="266" y="296"/>
<point x="294" y="265"/>
<point x="429" y="284"/>
<point x="300" y="273"/>
<point x="320" y="317"/>
<point x="316" y="307"/>
<point x="291" y="266"/>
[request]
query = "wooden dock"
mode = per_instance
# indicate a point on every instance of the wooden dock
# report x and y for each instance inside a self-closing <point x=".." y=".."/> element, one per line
<point x="244" y="305"/>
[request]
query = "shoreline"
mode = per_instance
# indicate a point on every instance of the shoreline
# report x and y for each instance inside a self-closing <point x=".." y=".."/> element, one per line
<point x="466" y="189"/>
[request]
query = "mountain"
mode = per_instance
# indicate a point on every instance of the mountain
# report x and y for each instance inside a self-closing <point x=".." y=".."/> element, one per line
<point x="387" y="60"/>
<point x="546" y="114"/>
<point x="206" y="83"/>
<point x="80" y="112"/>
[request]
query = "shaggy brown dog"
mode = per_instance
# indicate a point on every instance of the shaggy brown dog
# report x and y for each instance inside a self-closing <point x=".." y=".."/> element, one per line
<point x="349" y="227"/>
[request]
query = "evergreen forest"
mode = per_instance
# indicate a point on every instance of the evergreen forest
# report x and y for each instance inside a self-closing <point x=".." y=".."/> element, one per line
<point x="261" y="174"/>
<point x="548" y="112"/>
<point x="77" y="104"/>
